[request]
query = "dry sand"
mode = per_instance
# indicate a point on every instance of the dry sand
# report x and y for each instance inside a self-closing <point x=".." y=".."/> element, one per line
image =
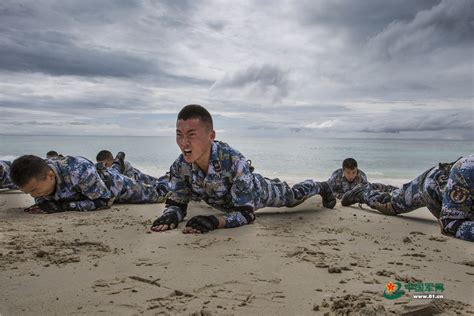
<point x="303" y="261"/>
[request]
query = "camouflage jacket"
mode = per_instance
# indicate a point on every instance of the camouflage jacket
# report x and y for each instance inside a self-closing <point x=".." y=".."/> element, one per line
<point x="5" y="181"/>
<point x="457" y="213"/>
<point x="78" y="182"/>
<point x="229" y="185"/>
<point x="339" y="184"/>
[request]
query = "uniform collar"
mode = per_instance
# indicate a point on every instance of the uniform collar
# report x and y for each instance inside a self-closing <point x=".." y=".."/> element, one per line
<point x="214" y="163"/>
<point x="59" y="179"/>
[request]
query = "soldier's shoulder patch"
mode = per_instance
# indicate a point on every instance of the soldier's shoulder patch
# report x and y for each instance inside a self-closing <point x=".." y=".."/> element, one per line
<point x="459" y="194"/>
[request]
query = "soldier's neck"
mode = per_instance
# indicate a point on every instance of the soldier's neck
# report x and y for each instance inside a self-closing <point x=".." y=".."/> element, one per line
<point x="203" y="162"/>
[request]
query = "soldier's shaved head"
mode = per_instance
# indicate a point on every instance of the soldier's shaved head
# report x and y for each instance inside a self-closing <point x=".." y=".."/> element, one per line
<point x="196" y="111"/>
<point x="28" y="167"/>
<point x="104" y="155"/>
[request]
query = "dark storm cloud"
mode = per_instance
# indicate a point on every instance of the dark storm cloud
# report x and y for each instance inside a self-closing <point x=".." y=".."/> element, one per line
<point x="446" y="26"/>
<point x="54" y="38"/>
<point x="216" y="25"/>
<point x="261" y="79"/>
<point x="56" y="54"/>
<point x="359" y="20"/>
<point x="422" y="123"/>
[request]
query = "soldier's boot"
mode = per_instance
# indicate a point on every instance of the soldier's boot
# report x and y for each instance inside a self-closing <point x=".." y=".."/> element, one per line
<point x="354" y="196"/>
<point x="120" y="160"/>
<point x="384" y="208"/>
<point x="329" y="201"/>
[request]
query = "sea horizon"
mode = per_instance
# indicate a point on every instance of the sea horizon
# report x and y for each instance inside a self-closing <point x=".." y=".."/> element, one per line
<point x="393" y="161"/>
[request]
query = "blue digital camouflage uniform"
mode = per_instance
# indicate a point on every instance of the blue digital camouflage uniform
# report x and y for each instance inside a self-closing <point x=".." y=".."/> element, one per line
<point x="134" y="173"/>
<point x="231" y="187"/>
<point x="457" y="213"/>
<point x="339" y="184"/>
<point x="446" y="191"/>
<point x="5" y="181"/>
<point x="87" y="188"/>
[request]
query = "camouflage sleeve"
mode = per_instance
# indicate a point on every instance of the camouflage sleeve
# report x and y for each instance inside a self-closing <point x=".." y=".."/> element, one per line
<point x="5" y="181"/>
<point x="238" y="218"/>
<point x="180" y="192"/>
<point x="457" y="218"/>
<point x="94" y="191"/>
<point x="242" y="194"/>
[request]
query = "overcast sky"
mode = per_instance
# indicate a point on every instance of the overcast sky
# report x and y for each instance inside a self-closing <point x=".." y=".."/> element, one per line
<point x="335" y="68"/>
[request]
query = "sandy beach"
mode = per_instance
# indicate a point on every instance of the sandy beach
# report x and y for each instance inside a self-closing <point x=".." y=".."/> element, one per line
<point x="303" y="261"/>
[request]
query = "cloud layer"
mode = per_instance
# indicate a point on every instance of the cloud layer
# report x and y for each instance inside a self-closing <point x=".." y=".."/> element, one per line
<point x="326" y="68"/>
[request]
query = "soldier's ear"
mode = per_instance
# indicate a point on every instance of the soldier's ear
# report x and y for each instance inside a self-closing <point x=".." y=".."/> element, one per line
<point x="213" y="135"/>
<point x="50" y="175"/>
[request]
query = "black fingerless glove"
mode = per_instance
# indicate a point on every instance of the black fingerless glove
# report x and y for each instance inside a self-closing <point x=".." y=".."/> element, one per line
<point x="53" y="206"/>
<point x="166" y="219"/>
<point x="203" y="223"/>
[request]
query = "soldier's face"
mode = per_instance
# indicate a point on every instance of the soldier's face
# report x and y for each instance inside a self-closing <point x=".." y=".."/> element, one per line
<point x="195" y="138"/>
<point x="349" y="174"/>
<point x="41" y="187"/>
<point x="106" y="163"/>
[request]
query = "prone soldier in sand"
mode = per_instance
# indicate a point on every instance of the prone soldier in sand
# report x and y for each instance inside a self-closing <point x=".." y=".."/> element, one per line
<point x="346" y="178"/>
<point x="447" y="190"/>
<point x="75" y="184"/>
<point x="5" y="181"/>
<point x="222" y="177"/>
<point x="106" y="158"/>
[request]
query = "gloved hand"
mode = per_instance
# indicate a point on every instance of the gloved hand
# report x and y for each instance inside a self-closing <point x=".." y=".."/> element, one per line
<point x="203" y="223"/>
<point x="165" y="222"/>
<point x="47" y="207"/>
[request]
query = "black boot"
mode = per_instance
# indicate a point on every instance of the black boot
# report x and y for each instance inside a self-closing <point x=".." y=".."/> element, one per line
<point x="328" y="199"/>
<point x="354" y="196"/>
<point x="120" y="160"/>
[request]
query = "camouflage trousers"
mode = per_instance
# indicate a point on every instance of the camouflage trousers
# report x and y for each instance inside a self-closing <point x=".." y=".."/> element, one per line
<point x="277" y="193"/>
<point x="128" y="190"/>
<point x="160" y="184"/>
<point x="150" y="180"/>
<point x="423" y="191"/>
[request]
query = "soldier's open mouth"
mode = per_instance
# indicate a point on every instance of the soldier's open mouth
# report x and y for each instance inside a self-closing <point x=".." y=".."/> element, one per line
<point x="187" y="152"/>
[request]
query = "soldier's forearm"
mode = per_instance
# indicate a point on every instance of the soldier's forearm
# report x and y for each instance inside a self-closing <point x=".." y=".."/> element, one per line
<point x="238" y="218"/>
<point x="459" y="228"/>
<point x="88" y="205"/>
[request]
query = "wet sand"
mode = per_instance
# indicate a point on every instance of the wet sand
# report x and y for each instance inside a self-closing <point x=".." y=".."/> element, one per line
<point x="303" y="261"/>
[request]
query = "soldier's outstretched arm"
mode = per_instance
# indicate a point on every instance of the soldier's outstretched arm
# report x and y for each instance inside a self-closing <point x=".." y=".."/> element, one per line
<point x="177" y="202"/>
<point x="51" y="206"/>
<point x="203" y="224"/>
<point x="173" y="214"/>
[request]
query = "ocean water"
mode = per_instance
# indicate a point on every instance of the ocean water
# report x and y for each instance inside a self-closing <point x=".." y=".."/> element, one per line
<point x="289" y="158"/>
